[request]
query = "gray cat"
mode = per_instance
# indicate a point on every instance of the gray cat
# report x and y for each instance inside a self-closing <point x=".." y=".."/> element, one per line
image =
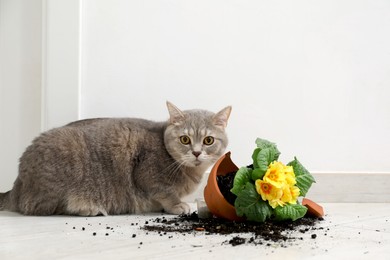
<point x="118" y="166"/>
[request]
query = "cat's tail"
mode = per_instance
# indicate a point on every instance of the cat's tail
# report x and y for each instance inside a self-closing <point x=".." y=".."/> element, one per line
<point x="4" y="198"/>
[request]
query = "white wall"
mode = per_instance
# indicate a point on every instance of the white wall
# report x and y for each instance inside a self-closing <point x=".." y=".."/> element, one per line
<point x="20" y="82"/>
<point x="312" y="76"/>
<point x="60" y="62"/>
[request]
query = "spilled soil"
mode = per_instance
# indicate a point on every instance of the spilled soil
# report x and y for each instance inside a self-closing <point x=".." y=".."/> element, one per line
<point x="244" y="232"/>
<point x="225" y="183"/>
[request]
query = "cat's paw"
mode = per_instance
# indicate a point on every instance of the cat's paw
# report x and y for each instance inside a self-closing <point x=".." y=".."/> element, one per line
<point x="181" y="208"/>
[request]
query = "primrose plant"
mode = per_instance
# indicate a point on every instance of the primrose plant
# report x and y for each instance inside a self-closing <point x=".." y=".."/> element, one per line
<point x="270" y="189"/>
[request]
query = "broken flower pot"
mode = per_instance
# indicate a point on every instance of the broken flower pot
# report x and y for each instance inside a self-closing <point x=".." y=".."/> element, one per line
<point x="220" y="207"/>
<point x="215" y="201"/>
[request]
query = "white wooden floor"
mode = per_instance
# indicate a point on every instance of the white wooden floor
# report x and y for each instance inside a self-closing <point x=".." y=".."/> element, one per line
<point x="356" y="231"/>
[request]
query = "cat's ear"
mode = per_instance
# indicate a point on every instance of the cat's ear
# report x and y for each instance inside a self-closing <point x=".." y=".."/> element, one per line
<point x="220" y="119"/>
<point x="176" y="115"/>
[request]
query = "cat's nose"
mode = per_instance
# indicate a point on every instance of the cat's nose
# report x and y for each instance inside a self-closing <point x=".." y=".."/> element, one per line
<point x="196" y="154"/>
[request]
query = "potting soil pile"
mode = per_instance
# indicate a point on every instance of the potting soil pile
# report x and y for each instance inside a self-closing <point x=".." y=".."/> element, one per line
<point x="245" y="232"/>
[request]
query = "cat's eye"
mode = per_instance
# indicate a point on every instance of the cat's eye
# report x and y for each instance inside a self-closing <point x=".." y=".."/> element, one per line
<point x="185" y="139"/>
<point x="209" y="140"/>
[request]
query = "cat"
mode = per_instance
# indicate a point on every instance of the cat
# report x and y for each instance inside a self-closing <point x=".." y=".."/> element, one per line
<point x="110" y="166"/>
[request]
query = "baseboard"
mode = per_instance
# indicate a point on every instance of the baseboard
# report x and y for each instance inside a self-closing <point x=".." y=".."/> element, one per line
<point x="338" y="187"/>
<point x="351" y="187"/>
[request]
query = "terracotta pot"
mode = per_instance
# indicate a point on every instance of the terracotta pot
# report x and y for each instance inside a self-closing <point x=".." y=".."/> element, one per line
<point x="215" y="201"/>
<point x="220" y="207"/>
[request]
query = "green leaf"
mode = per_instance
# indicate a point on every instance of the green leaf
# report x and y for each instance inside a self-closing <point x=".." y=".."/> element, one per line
<point x="263" y="144"/>
<point x="289" y="211"/>
<point x="242" y="176"/>
<point x="257" y="174"/>
<point x="264" y="158"/>
<point x="303" y="177"/>
<point x="254" y="157"/>
<point x="250" y="204"/>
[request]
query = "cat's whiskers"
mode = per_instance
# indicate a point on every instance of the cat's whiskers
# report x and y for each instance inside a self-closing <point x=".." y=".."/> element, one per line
<point x="174" y="170"/>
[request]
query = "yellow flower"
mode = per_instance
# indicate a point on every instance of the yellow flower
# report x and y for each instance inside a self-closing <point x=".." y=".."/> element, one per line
<point x="275" y="203"/>
<point x="294" y="193"/>
<point x="290" y="175"/>
<point x="269" y="192"/>
<point x="278" y="185"/>
<point x="275" y="174"/>
<point x="290" y="194"/>
<point x="286" y="197"/>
